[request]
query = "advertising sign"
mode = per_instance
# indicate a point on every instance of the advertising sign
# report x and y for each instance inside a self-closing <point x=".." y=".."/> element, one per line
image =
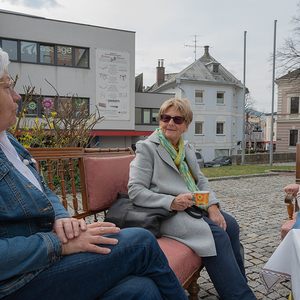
<point x="113" y="84"/>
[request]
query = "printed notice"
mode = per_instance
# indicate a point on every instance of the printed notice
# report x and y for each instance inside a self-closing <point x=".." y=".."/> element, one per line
<point x="112" y="84"/>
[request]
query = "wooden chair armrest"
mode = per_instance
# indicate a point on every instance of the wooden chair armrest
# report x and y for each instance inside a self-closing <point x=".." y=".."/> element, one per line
<point x="288" y="199"/>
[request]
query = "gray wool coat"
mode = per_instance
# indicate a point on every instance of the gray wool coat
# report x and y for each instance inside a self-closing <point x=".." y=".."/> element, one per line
<point x="154" y="181"/>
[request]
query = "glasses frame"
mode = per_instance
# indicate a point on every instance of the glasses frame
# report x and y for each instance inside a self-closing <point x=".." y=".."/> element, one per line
<point x="177" y="119"/>
<point x="11" y="85"/>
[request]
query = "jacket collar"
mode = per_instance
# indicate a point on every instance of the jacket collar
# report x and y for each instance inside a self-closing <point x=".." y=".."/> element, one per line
<point x="165" y="156"/>
<point x="21" y="151"/>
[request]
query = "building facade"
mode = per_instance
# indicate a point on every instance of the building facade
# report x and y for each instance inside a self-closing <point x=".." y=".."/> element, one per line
<point x="217" y="100"/>
<point x="288" y="113"/>
<point x="95" y="63"/>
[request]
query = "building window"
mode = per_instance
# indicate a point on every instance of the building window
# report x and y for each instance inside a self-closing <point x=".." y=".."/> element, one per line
<point x="41" y="53"/>
<point x="215" y="68"/>
<point x="221" y="152"/>
<point x="47" y="54"/>
<point x="294" y="105"/>
<point x="146" y="116"/>
<point x="198" y="127"/>
<point x="81" y="57"/>
<point x="155" y="116"/>
<point x="138" y="116"/>
<point x="220" y="128"/>
<point x="293" y="137"/>
<point x="11" y="47"/>
<point x="234" y="101"/>
<point x="64" y="56"/>
<point x="35" y="107"/>
<point x="220" y="98"/>
<point x="28" y="52"/>
<point x="199" y="97"/>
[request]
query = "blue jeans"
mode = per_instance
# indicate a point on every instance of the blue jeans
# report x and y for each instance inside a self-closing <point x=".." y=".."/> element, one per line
<point x="136" y="268"/>
<point x="226" y="269"/>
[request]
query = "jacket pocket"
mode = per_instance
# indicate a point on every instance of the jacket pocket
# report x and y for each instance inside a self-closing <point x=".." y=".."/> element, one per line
<point x="3" y="171"/>
<point x="9" y="190"/>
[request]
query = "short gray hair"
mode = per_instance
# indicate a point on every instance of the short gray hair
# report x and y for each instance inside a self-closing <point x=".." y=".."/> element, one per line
<point x="183" y="105"/>
<point x="4" y="61"/>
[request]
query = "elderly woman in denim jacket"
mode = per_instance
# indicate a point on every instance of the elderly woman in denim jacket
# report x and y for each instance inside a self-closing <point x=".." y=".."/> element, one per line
<point x="45" y="254"/>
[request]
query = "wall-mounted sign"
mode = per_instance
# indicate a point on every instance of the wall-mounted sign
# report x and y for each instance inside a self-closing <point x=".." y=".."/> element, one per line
<point x="113" y="84"/>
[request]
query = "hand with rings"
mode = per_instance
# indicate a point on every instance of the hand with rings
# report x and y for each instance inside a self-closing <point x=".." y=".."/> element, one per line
<point x="68" y="228"/>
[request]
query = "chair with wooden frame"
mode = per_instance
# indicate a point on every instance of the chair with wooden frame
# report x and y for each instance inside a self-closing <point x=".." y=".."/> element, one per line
<point x="96" y="199"/>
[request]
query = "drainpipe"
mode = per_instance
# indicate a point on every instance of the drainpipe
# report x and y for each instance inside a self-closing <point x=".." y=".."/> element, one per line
<point x="182" y="90"/>
<point x="181" y="96"/>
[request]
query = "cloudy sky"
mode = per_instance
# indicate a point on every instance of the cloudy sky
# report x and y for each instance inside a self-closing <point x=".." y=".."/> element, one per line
<point x="164" y="27"/>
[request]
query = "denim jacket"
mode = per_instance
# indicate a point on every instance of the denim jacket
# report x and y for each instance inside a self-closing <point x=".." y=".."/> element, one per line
<point x="27" y="215"/>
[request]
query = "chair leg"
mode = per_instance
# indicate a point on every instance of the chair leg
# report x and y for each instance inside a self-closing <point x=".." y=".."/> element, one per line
<point x="290" y="210"/>
<point x="194" y="288"/>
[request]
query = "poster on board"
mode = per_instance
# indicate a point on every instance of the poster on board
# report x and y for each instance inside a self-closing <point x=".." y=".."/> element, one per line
<point x="113" y="84"/>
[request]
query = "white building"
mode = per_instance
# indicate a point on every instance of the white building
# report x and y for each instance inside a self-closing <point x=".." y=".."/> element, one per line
<point x="216" y="97"/>
<point x="94" y="62"/>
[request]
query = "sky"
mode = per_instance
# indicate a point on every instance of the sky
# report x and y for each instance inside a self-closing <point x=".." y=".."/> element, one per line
<point x="168" y="29"/>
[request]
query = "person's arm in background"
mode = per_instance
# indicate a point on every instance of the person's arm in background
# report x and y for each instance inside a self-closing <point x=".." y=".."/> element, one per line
<point x="292" y="188"/>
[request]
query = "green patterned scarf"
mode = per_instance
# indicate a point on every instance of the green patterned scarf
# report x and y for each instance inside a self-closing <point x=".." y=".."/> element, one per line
<point x="178" y="158"/>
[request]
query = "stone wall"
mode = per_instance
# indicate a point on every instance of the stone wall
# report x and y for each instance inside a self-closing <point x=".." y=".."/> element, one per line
<point x="263" y="158"/>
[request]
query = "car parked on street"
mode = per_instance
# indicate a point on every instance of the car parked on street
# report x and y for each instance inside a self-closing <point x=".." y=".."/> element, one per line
<point x="219" y="161"/>
<point x="200" y="159"/>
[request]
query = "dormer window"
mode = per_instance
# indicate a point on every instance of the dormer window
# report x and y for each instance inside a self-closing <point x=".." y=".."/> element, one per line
<point x="215" y="68"/>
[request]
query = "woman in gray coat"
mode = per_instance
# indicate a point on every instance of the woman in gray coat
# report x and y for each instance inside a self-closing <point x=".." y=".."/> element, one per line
<point x="164" y="174"/>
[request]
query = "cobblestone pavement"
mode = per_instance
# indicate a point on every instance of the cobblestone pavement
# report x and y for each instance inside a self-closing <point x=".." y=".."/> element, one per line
<point x="257" y="203"/>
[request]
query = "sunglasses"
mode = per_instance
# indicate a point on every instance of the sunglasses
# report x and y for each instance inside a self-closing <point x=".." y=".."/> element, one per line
<point x="176" y="120"/>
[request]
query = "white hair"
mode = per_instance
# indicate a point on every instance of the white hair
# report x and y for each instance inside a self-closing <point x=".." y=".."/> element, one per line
<point x="4" y="61"/>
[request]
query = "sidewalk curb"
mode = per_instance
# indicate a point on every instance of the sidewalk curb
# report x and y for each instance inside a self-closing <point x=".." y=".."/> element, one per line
<point x="286" y="171"/>
<point x="243" y="176"/>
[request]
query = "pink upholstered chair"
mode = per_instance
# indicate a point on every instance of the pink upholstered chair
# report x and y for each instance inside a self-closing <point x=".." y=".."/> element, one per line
<point x="105" y="178"/>
<point x="192" y="261"/>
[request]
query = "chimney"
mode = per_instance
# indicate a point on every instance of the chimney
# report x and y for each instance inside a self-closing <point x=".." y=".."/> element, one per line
<point x="160" y="72"/>
<point x="206" y="52"/>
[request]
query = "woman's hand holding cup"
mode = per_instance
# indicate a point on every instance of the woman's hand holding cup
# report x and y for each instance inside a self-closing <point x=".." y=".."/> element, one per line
<point x="182" y="201"/>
